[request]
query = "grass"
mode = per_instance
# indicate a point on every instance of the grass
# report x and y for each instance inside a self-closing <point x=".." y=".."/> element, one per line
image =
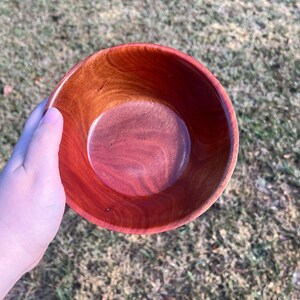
<point x="247" y="245"/>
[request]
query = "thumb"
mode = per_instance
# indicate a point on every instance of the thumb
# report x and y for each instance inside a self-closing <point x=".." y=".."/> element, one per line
<point x="42" y="153"/>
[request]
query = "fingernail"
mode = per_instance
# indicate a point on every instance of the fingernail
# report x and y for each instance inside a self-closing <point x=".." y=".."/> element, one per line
<point x="51" y="116"/>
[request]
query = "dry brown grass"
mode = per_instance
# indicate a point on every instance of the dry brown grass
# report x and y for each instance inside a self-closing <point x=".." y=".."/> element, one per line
<point x="247" y="245"/>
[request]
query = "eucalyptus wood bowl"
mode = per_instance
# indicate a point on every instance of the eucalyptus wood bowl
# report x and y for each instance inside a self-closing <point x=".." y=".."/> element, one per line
<point x="150" y="138"/>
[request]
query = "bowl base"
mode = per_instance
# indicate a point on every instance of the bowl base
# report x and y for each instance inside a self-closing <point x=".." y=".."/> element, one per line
<point x="138" y="148"/>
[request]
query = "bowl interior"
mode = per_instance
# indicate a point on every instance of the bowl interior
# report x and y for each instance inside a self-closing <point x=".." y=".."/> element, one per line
<point x="149" y="138"/>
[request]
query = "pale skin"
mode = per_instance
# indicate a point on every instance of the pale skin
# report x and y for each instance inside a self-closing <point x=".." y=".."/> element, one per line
<point x="32" y="197"/>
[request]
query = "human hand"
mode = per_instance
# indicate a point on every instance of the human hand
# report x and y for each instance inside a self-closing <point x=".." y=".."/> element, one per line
<point x="32" y="198"/>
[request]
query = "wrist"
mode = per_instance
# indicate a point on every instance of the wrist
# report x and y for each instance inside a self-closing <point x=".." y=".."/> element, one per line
<point x="10" y="272"/>
<point x="14" y="263"/>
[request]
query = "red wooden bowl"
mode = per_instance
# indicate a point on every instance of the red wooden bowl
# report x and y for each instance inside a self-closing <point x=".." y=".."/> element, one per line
<point x="150" y="138"/>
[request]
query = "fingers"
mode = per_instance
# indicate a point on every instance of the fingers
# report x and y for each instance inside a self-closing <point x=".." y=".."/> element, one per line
<point x="21" y="147"/>
<point x="42" y="152"/>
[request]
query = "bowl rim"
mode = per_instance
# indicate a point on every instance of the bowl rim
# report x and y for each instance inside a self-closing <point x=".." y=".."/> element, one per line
<point x="233" y="134"/>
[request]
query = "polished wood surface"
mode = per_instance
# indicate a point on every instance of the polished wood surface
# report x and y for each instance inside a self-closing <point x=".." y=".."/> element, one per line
<point x="139" y="148"/>
<point x="150" y="138"/>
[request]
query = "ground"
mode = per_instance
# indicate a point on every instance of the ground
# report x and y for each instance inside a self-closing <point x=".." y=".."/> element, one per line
<point x="247" y="245"/>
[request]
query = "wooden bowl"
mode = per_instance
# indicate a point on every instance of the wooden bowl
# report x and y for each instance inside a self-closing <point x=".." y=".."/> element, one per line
<point x="150" y="138"/>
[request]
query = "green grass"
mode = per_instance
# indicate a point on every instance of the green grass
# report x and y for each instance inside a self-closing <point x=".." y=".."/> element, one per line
<point x="247" y="245"/>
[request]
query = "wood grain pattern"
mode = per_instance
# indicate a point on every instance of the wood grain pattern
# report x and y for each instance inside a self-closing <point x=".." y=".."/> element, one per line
<point x="150" y="138"/>
<point x="138" y="148"/>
